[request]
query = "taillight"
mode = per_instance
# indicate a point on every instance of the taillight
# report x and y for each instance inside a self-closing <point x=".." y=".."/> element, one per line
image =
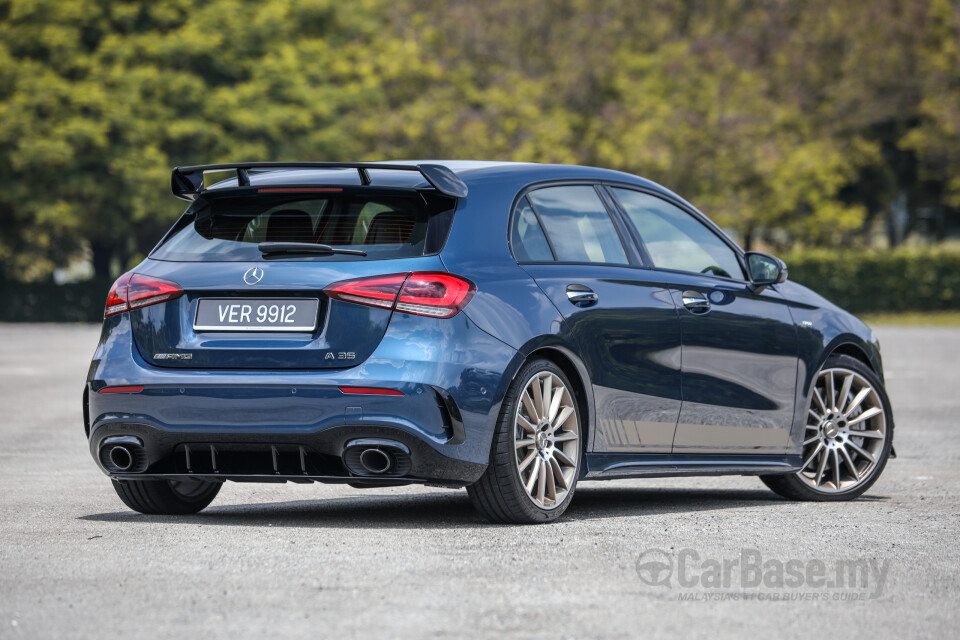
<point x="134" y="290"/>
<point x="379" y="291"/>
<point x="117" y="298"/>
<point x="422" y="293"/>
<point x="439" y="295"/>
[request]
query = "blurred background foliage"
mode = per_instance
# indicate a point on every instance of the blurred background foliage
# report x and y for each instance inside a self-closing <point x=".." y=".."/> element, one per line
<point x="815" y="124"/>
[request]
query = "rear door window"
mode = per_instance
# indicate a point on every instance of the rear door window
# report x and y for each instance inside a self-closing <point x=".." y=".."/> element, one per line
<point x="577" y="224"/>
<point x="231" y="228"/>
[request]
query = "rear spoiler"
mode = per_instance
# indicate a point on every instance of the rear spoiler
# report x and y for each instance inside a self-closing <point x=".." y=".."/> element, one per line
<point x="187" y="182"/>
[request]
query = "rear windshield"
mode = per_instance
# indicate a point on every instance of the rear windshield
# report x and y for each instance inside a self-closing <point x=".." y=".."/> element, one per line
<point x="384" y="226"/>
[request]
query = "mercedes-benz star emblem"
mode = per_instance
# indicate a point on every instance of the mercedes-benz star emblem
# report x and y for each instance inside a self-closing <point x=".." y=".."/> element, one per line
<point x="253" y="275"/>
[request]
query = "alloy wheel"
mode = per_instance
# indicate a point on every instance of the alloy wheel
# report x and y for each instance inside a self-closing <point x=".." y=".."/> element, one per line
<point x="546" y="436"/>
<point x="845" y="433"/>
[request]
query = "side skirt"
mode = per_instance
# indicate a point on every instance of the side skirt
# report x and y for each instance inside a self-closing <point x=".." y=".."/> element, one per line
<point x="609" y="466"/>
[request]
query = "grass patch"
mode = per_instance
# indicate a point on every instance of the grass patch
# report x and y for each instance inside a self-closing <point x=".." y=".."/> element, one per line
<point x="914" y="319"/>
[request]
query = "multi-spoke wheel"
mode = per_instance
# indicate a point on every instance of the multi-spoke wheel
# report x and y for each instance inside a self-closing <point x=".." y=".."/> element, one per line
<point x="547" y="439"/>
<point x="847" y="436"/>
<point x="537" y="449"/>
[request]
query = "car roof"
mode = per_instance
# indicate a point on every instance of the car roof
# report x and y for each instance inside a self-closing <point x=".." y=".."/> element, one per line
<point x="470" y="171"/>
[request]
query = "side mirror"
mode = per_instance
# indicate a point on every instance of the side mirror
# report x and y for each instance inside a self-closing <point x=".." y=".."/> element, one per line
<point x="765" y="270"/>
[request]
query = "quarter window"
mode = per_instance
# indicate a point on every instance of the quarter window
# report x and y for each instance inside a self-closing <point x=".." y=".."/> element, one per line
<point x="675" y="239"/>
<point x="578" y="225"/>
<point x="526" y="237"/>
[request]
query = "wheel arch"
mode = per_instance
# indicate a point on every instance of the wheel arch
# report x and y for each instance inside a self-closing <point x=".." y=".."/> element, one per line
<point x="853" y="350"/>
<point x="863" y="349"/>
<point x="816" y="348"/>
<point x="577" y="374"/>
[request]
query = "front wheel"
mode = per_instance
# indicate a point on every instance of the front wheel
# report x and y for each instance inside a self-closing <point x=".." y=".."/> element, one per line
<point x="537" y="450"/>
<point x="848" y="435"/>
<point x="167" y="497"/>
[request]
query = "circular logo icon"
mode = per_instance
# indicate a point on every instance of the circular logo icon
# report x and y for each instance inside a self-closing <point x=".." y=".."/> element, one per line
<point x="253" y="275"/>
<point x="655" y="566"/>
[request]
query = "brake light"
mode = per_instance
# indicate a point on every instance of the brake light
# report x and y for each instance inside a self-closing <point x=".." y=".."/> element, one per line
<point x="380" y="291"/>
<point x="117" y="298"/>
<point x="134" y="290"/>
<point x="439" y="295"/>
<point x="421" y="293"/>
<point x="299" y="189"/>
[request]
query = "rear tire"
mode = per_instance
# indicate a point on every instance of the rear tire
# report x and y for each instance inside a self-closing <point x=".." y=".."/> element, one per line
<point x="537" y="450"/>
<point x="848" y="399"/>
<point x="166" y="497"/>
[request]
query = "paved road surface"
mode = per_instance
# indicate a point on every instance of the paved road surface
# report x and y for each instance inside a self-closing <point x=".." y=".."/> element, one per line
<point x="273" y="561"/>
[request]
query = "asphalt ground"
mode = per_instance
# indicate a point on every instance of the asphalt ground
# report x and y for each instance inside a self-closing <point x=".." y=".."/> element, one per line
<point x="695" y="556"/>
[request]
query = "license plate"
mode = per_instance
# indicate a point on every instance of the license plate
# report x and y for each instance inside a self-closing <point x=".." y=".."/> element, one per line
<point x="273" y="314"/>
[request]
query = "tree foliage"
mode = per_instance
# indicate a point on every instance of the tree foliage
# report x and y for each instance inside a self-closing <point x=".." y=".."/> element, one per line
<point x="786" y="122"/>
<point x="101" y="98"/>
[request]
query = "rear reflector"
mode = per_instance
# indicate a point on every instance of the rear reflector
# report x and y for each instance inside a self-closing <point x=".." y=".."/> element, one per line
<point x="371" y="391"/>
<point x="128" y="389"/>
<point x="134" y="290"/>
<point x="422" y="293"/>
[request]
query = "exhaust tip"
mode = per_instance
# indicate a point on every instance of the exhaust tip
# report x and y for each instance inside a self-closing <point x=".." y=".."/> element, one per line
<point x="121" y="458"/>
<point x="376" y="457"/>
<point x="376" y="461"/>
<point x="123" y="454"/>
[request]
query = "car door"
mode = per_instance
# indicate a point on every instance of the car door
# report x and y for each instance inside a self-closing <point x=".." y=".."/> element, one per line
<point x="625" y="326"/>
<point x="739" y="357"/>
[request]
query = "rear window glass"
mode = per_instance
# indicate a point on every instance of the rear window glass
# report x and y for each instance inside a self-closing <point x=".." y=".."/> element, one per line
<point x="231" y="228"/>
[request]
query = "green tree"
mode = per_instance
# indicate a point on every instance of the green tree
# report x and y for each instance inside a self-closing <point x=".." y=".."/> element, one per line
<point x="99" y="99"/>
<point x="789" y="123"/>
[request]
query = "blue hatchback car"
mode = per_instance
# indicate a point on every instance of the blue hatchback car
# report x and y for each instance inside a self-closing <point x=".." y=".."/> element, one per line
<point x="509" y="328"/>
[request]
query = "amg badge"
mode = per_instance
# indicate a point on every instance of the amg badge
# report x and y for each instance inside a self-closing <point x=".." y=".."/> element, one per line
<point x="173" y="356"/>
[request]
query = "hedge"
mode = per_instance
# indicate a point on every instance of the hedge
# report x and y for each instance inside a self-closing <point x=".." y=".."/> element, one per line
<point x="862" y="282"/>
<point x="881" y="281"/>
<point x="50" y="302"/>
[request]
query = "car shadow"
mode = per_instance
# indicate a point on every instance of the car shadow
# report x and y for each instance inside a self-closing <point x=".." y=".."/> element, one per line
<point x="444" y="510"/>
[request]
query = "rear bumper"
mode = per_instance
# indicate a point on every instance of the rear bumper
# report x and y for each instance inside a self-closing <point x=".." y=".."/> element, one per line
<point x="275" y="455"/>
<point x="452" y="386"/>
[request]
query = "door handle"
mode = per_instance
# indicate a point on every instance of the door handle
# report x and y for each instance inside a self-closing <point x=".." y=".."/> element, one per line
<point x="581" y="295"/>
<point x="695" y="301"/>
